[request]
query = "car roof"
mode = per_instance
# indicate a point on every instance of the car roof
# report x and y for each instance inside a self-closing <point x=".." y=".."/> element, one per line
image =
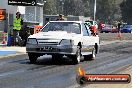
<point x="68" y="21"/>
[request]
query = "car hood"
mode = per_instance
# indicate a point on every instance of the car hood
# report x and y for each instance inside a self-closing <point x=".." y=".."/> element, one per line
<point x="54" y="35"/>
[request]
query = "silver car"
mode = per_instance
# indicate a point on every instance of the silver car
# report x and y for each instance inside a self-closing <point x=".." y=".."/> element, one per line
<point x="59" y="38"/>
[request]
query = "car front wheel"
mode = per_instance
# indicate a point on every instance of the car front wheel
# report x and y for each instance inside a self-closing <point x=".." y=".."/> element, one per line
<point x="76" y="58"/>
<point x="32" y="57"/>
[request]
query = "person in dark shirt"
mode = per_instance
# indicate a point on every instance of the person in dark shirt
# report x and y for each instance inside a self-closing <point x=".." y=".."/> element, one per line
<point x="119" y="26"/>
<point x="60" y="18"/>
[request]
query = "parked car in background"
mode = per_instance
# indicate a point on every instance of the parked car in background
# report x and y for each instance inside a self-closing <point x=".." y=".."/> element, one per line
<point x="109" y="29"/>
<point x="126" y="29"/>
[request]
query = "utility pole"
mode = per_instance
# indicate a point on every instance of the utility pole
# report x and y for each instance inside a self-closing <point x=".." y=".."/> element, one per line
<point x="95" y="11"/>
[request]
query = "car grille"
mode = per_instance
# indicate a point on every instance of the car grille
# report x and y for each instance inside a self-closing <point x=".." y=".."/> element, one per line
<point x="48" y="42"/>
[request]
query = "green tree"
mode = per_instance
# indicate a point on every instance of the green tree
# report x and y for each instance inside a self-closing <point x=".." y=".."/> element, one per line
<point x="78" y="7"/>
<point x="86" y="10"/>
<point x="68" y="7"/>
<point x="50" y="7"/>
<point x="106" y="9"/>
<point x="73" y="7"/>
<point x="126" y="9"/>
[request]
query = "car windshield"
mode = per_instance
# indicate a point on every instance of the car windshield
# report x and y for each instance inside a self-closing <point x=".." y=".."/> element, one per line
<point x="69" y="27"/>
<point x="127" y="26"/>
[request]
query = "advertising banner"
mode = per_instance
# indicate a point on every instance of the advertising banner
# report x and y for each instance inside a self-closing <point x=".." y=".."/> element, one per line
<point x="22" y="2"/>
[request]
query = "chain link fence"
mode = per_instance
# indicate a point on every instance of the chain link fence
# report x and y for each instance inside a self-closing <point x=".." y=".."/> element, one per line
<point x="32" y="14"/>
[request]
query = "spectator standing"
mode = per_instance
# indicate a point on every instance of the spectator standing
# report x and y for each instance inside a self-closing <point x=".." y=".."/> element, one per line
<point x="119" y="26"/>
<point x="17" y="27"/>
<point x="93" y="30"/>
<point x="61" y="18"/>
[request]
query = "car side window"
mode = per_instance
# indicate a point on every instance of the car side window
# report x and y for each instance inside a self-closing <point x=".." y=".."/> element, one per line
<point x="90" y="33"/>
<point x="85" y="31"/>
<point x="88" y="30"/>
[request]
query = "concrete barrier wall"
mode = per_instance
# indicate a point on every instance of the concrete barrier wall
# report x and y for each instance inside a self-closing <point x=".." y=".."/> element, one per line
<point x="105" y="36"/>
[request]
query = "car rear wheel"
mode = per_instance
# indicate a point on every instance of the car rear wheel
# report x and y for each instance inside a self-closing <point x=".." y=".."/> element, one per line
<point x="91" y="56"/>
<point x="32" y="57"/>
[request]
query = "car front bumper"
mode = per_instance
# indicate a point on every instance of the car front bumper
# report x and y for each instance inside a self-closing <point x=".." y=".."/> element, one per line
<point x="51" y="49"/>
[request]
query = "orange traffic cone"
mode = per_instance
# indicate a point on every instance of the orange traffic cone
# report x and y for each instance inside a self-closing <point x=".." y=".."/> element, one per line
<point x="4" y="38"/>
<point x="119" y="36"/>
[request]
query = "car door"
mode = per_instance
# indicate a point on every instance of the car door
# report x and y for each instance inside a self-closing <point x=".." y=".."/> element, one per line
<point x="88" y="40"/>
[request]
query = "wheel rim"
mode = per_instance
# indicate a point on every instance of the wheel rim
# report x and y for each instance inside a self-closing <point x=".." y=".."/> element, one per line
<point x="93" y="53"/>
<point x="78" y="54"/>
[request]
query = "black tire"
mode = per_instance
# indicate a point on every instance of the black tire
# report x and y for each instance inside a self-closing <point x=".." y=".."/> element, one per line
<point x="76" y="59"/>
<point x="91" y="56"/>
<point x="96" y="48"/>
<point x="32" y="57"/>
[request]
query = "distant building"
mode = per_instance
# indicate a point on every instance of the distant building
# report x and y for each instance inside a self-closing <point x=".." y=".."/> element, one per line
<point x="9" y="9"/>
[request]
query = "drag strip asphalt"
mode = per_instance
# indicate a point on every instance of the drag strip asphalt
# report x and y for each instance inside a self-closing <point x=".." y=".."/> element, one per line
<point x="17" y="72"/>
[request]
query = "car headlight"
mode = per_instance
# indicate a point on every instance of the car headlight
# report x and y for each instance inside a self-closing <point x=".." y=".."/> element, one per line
<point x="66" y="42"/>
<point x="32" y="41"/>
